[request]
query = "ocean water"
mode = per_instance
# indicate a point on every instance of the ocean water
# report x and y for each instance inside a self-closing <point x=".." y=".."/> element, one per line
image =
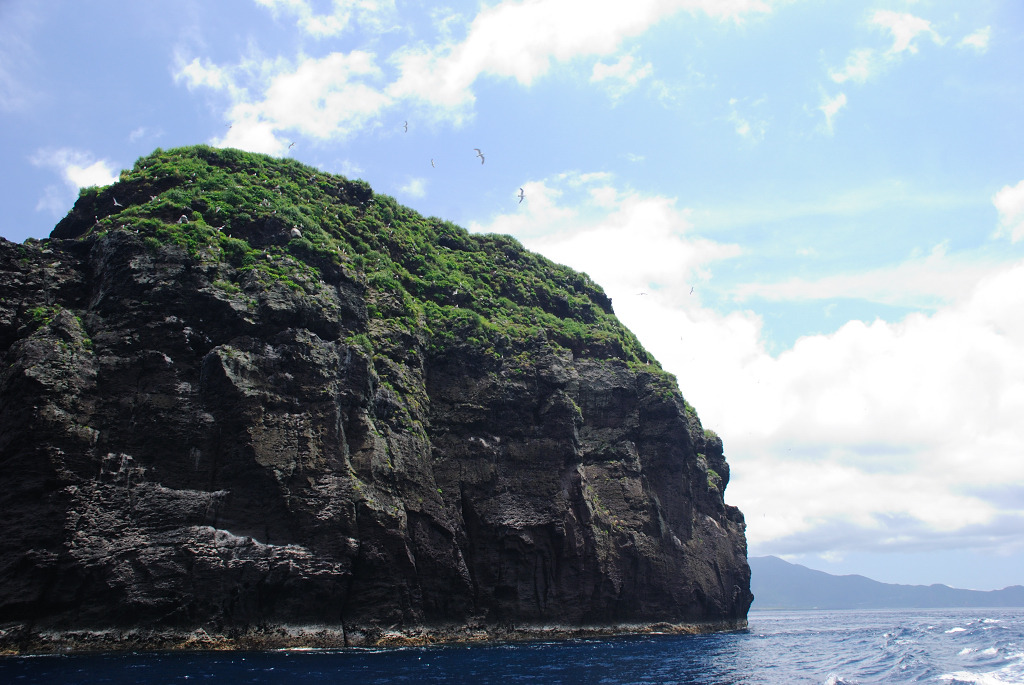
<point x="830" y="648"/>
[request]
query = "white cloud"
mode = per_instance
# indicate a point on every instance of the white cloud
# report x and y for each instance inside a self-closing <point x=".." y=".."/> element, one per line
<point x="830" y="107"/>
<point x="416" y="187"/>
<point x="977" y="41"/>
<point x="77" y="168"/>
<point x="582" y="220"/>
<point x="921" y="282"/>
<point x="861" y="65"/>
<point x="196" y="74"/>
<point x="746" y="125"/>
<point x="326" y="98"/>
<point x="520" y="40"/>
<point x="905" y="28"/>
<point x="370" y="13"/>
<point x="883" y="435"/>
<point x="144" y="132"/>
<point x="622" y="76"/>
<point x="1010" y="203"/>
<point x="330" y="97"/>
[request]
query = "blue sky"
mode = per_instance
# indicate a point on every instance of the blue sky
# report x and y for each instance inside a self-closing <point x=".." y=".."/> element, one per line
<point x="811" y="212"/>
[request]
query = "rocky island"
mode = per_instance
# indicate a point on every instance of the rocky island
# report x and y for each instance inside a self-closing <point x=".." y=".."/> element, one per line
<point x="245" y="403"/>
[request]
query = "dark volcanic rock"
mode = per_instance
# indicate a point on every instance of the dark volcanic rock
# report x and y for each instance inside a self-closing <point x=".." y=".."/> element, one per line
<point x="386" y="424"/>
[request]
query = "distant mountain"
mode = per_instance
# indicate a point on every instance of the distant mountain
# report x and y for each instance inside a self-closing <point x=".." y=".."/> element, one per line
<point x="777" y="584"/>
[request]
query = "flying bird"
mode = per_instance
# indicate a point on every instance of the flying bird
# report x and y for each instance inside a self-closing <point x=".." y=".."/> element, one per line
<point x="291" y="146"/>
<point x="117" y="204"/>
<point x="479" y="154"/>
<point x="406" y="126"/>
<point x="521" y="195"/>
<point x="432" y="163"/>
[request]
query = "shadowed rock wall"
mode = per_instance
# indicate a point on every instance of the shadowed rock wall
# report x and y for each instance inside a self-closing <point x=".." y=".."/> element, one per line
<point x="177" y="454"/>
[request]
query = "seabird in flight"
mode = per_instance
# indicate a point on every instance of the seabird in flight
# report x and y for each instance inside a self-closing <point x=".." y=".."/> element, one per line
<point x="432" y="162"/>
<point x="117" y="204"/>
<point x="479" y="154"/>
<point x="521" y="195"/>
<point x="406" y="125"/>
<point x="292" y="145"/>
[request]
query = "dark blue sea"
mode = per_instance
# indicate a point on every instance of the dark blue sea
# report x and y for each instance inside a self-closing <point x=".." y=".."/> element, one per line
<point x="916" y="646"/>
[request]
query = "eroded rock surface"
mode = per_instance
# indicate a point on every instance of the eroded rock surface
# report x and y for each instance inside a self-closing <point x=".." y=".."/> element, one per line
<point x="187" y="444"/>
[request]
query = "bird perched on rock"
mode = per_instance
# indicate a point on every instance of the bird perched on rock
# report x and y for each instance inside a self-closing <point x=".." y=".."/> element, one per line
<point x="296" y="233"/>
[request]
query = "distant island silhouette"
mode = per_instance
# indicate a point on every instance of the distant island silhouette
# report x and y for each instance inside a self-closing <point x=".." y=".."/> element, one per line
<point x="780" y="585"/>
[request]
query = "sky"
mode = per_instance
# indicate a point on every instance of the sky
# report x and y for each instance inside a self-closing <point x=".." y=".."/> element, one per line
<point x="810" y="211"/>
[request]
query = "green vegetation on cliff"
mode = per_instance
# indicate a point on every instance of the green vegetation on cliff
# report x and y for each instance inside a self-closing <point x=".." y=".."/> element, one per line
<point x="241" y="394"/>
<point x="280" y="221"/>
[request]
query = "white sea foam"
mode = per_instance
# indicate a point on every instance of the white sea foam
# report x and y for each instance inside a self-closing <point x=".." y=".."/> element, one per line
<point x="958" y="629"/>
<point x="979" y="678"/>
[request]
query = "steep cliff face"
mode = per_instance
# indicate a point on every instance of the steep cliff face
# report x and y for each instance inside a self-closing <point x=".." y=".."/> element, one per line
<point x="250" y="395"/>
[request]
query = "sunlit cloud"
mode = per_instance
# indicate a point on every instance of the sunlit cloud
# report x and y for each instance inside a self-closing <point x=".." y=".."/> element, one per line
<point x="920" y="282"/>
<point x="77" y="169"/>
<point x="202" y="74"/>
<point x="326" y="98"/>
<point x="830" y="106"/>
<point x="861" y="65"/>
<point x="747" y="126"/>
<point x="866" y="438"/>
<point x="622" y="76"/>
<point x="369" y="13"/>
<point x="416" y="187"/>
<point x="905" y="28"/>
<point x="521" y="41"/>
<point x="977" y="41"/>
<point x="1010" y="204"/>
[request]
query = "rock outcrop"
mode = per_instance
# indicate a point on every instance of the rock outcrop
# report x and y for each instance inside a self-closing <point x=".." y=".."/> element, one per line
<point x="252" y="397"/>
